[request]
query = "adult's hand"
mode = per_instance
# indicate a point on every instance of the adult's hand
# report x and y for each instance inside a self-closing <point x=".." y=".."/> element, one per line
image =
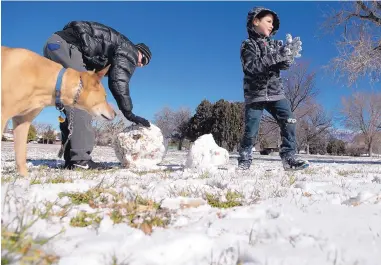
<point x="136" y="119"/>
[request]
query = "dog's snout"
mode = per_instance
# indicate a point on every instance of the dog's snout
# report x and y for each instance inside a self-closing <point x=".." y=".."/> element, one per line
<point x="111" y="115"/>
<point x="105" y="117"/>
<point x="105" y="111"/>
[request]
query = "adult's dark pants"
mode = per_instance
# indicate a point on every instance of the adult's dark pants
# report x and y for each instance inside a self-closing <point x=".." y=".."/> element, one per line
<point x="82" y="139"/>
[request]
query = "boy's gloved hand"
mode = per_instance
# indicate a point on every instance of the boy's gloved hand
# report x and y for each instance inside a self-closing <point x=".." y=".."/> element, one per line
<point x="283" y="49"/>
<point x="136" y="119"/>
<point x="283" y="53"/>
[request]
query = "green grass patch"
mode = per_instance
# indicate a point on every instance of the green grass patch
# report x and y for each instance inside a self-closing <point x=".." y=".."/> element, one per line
<point x="232" y="199"/>
<point x="83" y="219"/>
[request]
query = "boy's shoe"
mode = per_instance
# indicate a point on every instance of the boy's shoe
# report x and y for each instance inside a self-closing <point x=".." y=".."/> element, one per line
<point x="85" y="164"/>
<point x="293" y="162"/>
<point x="244" y="164"/>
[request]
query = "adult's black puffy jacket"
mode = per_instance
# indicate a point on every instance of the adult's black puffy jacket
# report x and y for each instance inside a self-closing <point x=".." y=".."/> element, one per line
<point x="100" y="46"/>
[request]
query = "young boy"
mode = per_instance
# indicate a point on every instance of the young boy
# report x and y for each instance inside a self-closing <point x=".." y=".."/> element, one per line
<point x="262" y="59"/>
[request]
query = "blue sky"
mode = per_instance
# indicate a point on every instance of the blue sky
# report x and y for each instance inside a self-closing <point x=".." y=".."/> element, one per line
<point x="195" y="45"/>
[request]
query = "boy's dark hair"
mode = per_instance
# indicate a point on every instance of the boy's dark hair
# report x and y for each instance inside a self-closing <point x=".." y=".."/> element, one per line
<point x="263" y="14"/>
<point x="260" y="12"/>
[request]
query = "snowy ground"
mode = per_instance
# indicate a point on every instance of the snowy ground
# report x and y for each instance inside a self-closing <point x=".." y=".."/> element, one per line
<point x="327" y="214"/>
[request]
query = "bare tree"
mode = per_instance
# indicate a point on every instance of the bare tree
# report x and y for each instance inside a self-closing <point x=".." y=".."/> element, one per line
<point x="173" y="124"/>
<point x="106" y="131"/>
<point x="377" y="144"/>
<point x="181" y="119"/>
<point x="164" y="119"/>
<point x="313" y="127"/>
<point x="42" y="129"/>
<point x="362" y="112"/>
<point x="300" y="85"/>
<point x="49" y="135"/>
<point x="360" y="44"/>
<point x="98" y="127"/>
<point x="269" y="133"/>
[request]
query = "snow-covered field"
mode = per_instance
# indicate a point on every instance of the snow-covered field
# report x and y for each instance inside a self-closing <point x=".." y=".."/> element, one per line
<point x="329" y="213"/>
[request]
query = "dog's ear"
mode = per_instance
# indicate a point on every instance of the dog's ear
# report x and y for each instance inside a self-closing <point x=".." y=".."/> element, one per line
<point x="100" y="74"/>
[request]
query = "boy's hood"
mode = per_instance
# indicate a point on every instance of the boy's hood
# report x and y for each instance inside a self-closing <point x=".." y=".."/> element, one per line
<point x="253" y="13"/>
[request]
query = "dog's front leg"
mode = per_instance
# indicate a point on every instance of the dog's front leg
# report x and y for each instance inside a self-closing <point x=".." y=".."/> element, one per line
<point x="20" y="135"/>
<point x="21" y="126"/>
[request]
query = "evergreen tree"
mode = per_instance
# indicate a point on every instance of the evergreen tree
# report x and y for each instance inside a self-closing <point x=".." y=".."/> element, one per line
<point x="236" y="125"/>
<point x="336" y="147"/>
<point x="221" y="121"/>
<point x="201" y="122"/>
<point x="32" y="133"/>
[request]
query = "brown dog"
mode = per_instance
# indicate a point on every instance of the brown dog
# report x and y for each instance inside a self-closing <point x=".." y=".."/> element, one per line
<point x="28" y="83"/>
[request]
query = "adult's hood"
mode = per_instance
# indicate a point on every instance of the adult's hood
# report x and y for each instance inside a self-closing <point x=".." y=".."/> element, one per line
<point x="255" y="12"/>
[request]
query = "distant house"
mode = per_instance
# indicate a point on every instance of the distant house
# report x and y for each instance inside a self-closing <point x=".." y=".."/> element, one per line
<point x="58" y="136"/>
<point x="269" y="149"/>
<point x="8" y="136"/>
<point x="57" y="140"/>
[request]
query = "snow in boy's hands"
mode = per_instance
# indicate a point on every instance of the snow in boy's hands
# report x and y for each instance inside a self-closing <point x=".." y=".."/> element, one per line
<point x="294" y="44"/>
<point x="288" y="39"/>
<point x="296" y="47"/>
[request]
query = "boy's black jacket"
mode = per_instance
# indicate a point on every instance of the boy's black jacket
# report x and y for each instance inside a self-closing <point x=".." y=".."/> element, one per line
<point x="262" y="81"/>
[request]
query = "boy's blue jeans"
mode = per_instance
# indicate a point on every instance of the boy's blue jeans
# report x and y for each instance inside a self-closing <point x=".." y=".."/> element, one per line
<point x="281" y="111"/>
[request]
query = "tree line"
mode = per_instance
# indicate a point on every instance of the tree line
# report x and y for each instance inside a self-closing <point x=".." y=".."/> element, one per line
<point x="360" y="113"/>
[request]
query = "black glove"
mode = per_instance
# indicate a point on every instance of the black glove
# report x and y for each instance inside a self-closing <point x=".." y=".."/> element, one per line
<point x="283" y="55"/>
<point x="136" y="119"/>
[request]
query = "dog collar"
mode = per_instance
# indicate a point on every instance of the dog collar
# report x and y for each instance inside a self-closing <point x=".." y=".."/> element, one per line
<point x="59" y="104"/>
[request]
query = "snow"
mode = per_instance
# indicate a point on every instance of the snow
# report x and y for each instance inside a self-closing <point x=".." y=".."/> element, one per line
<point x="140" y="147"/>
<point x="327" y="214"/>
<point x="206" y="154"/>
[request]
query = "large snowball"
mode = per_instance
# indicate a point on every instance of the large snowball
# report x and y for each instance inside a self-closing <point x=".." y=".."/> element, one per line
<point x="140" y="147"/>
<point x="206" y="154"/>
